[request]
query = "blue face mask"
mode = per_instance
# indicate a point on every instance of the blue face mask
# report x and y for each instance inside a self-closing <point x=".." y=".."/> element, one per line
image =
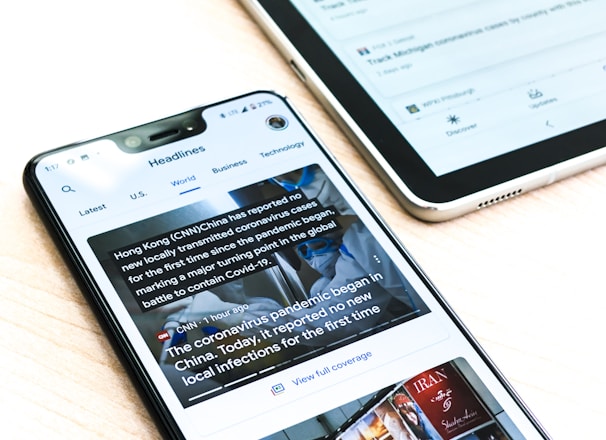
<point x="315" y="246"/>
<point x="325" y="263"/>
<point x="321" y="254"/>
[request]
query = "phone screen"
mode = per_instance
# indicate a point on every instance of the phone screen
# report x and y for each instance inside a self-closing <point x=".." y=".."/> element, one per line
<point x="465" y="81"/>
<point x="258" y="293"/>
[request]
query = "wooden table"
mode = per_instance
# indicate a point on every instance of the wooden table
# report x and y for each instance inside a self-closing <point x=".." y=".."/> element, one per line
<point x="527" y="275"/>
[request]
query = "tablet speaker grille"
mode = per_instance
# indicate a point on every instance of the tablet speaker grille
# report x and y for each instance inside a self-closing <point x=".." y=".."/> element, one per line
<point x="500" y="198"/>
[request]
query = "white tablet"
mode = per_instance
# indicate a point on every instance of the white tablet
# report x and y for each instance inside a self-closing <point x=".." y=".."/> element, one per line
<point x="457" y="104"/>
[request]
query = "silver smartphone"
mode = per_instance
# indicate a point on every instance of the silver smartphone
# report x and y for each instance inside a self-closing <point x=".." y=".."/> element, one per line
<point x="254" y="293"/>
<point x="458" y="105"/>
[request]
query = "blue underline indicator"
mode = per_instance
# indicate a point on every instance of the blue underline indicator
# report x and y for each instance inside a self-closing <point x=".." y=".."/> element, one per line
<point x="189" y="190"/>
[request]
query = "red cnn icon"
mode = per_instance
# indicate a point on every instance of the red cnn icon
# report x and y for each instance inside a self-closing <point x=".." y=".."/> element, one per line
<point x="162" y="336"/>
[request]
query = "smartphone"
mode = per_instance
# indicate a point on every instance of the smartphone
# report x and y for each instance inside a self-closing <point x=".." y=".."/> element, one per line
<point x="457" y="105"/>
<point x="235" y="264"/>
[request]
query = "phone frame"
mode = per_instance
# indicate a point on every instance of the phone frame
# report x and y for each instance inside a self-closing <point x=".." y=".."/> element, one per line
<point x="106" y="315"/>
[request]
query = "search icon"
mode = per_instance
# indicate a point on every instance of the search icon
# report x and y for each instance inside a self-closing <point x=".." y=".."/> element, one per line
<point x="67" y="188"/>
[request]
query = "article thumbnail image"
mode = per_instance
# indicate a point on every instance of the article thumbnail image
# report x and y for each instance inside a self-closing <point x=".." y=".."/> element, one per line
<point x="251" y="282"/>
<point x="446" y="402"/>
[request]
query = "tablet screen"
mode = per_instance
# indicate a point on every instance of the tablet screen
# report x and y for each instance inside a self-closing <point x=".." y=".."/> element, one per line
<point x="467" y="81"/>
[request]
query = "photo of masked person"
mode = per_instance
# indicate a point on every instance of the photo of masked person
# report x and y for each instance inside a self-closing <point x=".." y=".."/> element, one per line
<point x="351" y="254"/>
<point x="355" y="254"/>
<point x="335" y="265"/>
<point x="353" y="241"/>
<point x="338" y="264"/>
<point x="318" y="285"/>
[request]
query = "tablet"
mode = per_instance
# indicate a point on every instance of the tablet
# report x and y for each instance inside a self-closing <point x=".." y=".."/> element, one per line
<point x="457" y="104"/>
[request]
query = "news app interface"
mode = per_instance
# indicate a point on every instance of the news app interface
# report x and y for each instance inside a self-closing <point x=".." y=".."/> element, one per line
<point x="465" y="81"/>
<point x="260" y="292"/>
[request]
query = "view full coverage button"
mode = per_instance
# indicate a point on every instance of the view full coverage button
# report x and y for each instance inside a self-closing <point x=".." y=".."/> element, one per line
<point x="327" y="370"/>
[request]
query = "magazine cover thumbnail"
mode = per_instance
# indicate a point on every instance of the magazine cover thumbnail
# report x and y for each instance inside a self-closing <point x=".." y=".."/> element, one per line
<point x="446" y="402"/>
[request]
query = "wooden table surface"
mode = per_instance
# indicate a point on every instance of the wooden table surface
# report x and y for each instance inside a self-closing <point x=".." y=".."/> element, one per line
<point x="526" y="276"/>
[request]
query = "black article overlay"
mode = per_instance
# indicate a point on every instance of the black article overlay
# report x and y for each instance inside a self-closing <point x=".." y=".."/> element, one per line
<point x="238" y="287"/>
<point x="215" y="251"/>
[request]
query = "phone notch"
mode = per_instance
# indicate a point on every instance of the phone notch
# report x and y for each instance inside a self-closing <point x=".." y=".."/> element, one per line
<point x="161" y="132"/>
